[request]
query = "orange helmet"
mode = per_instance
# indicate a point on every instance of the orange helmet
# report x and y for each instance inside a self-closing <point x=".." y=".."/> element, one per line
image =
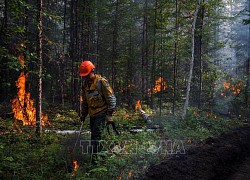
<point x="86" y="67"/>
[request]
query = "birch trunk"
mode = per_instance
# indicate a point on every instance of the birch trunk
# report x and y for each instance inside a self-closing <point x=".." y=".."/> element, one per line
<point x="192" y="62"/>
<point x="175" y="53"/>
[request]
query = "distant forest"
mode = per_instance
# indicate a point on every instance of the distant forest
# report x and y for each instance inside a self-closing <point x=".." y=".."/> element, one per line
<point x="133" y="43"/>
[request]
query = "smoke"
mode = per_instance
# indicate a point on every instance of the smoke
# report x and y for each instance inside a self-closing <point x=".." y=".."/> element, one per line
<point x="231" y="59"/>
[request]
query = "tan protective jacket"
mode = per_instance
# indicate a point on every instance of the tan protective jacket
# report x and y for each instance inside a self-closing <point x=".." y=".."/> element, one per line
<point x="98" y="98"/>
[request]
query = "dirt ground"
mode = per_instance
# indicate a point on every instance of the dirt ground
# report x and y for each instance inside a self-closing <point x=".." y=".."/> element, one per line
<point x="224" y="157"/>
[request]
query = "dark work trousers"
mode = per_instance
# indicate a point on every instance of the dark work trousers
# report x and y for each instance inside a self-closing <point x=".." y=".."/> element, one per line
<point x="97" y="125"/>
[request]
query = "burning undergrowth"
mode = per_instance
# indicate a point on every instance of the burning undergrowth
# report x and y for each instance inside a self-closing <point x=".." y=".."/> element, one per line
<point x="23" y="106"/>
<point x="50" y="157"/>
<point x="229" y="97"/>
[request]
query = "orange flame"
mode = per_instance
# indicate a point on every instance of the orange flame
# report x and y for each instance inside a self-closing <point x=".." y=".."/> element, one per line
<point x="235" y="88"/>
<point x="130" y="173"/>
<point x="226" y="85"/>
<point x="22" y="105"/>
<point x="76" y="166"/>
<point x="21" y="59"/>
<point x="160" y="85"/>
<point x="138" y="105"/>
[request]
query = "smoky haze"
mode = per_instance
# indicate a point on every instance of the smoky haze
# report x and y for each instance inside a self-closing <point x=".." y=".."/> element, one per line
<point x="232" y="57"/>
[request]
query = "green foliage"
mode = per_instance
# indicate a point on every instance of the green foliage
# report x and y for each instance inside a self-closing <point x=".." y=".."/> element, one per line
<point x="29" y="157"/>
<point x="25" y="156"/>
<point x="198" y="125"/>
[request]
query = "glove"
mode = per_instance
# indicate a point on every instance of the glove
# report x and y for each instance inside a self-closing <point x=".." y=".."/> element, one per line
<point x="109" y="119"/>
<point x="82" y="119"/>
<point x="110" y="112"/>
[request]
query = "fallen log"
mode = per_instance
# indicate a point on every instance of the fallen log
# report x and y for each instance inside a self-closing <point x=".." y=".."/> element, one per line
<point x="140" y="129"/>
<point x="67" y="131"/>
<point x="144" y="115"/>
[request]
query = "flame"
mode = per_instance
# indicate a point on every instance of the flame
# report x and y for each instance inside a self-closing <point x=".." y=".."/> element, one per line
<point x="23" y="105"/>
<point x="235" y="88"/>
<point x="226" y="85"/>
<point x="223" y="94"/>
<point x="119" y="178"/>
<point x="130" y="173"/>
<point x="76" y="166"/>
<point x="160" y="85"/>
<point x="21" y="59"/>
<point x="138" y="105"/>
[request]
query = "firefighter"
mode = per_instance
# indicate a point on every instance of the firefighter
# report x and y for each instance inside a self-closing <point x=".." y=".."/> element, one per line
<point x="98" y="100"/>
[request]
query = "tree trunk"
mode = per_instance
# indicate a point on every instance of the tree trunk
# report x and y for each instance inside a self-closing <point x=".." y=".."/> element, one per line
<point x="129" y="67"/>
<point x="161" y="64"/>
<point x="198" y="66"/>
<point x="175" y="53"/>
<point x="248" y="66"/>
<point x="114" y="44"/>
<point x="202" y="11"/>
<point x="191" y="62"/>
<point x="40" y="61"/>
<point x="143" y="50"/>
<point x="98" y="62"/>
<point x="4" y="41"/>
<point x="153" y="59"/>
<point x="73" y="50"/>
<point x="62" y="66"/>
<point x="5" y="19"/>
<point x="146" y="65"/>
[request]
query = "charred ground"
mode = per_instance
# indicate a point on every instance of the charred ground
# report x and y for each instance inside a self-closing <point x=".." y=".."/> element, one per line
<point x="223" y="157"/>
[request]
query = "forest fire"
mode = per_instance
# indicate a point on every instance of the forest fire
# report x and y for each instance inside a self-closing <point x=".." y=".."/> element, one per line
<point x="130" y="173"/>
<point x="139" y="109"/>
<point x="229" y="88"/>
<point x="160" y="85"/>
<point x="75" y="168"/>
<point x="226" y="85"/>
<point x="138" y="105"/>
<point x="22" y="105"/>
